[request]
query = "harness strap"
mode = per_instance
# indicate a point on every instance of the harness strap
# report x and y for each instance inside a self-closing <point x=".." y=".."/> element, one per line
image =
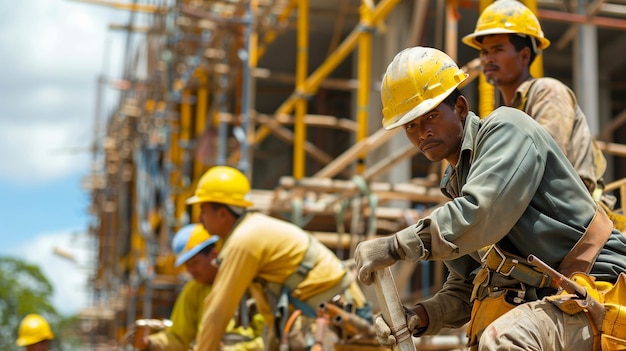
<point x="583" y="255"/>
<point x="510" y="265"/>
<point x="327" y="295"/>
<point x="300" y="274"/>
<point x="308" y="262"/>
<point x="580" y="258"/>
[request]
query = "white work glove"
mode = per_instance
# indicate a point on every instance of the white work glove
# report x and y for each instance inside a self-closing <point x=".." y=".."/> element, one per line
<point x="375" y="254"/>
<point x="383" y="331"/>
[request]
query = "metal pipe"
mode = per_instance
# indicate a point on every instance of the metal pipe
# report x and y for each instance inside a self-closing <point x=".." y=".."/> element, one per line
<point x="536" y="68"/>
<point x="246" y="89"/>
<point x="486" y="91"/>
<point x="604" y="22"/>
<point x="202" y="101"/>
<point x="364" y="76"/>
<point x="586" y="70"/>
<point x="302" y="58"/>
<point x="379" y="13"/>
<point x="271" y="34"/>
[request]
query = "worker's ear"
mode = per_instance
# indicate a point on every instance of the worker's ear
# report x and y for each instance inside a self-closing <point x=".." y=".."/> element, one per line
<point x="525" y="56"/>
<point x="461" y="107"/>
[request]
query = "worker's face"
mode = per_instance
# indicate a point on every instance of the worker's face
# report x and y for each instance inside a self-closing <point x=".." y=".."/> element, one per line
<point x="438" y="133"/>
<point x="202" y="267"/>
<point x="40" y="346"/>
<point x="501" y="63"/>
<point x="214" y="220"/>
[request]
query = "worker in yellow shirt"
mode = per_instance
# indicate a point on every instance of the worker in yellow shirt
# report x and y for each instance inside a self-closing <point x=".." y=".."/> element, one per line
<point x="34" y="333"/>
<point x="195" y="249"/>
<point x="285" y="268"/>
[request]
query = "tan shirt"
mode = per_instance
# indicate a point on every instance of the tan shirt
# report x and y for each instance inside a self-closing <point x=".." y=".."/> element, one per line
<point x="262" y="247"/>
<point x="553" y="105"/>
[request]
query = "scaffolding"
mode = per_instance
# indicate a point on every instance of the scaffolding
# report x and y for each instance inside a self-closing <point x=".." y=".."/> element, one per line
<point x="193" y="94"/>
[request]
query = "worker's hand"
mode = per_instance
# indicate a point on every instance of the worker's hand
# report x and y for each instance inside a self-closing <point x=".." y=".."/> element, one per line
<point x="375" y="254"/>
<point x="383" y="331"/>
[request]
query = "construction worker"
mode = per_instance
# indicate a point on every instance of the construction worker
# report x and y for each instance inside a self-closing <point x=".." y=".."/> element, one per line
<point x="268" y="255"/>
<point x="34" y="333"/>
<point x="509" y="38"/>
<point x="512" y="193"/>
<point x="195" y="248"/>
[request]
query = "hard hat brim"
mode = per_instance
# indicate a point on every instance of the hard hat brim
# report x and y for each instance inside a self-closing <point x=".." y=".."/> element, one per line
<point x="423" y="108"/>
<point x="472" y="39"/>
<point x="185" y="256"/>
<point x="193" y="200"/>
<point x="241" y="203"/>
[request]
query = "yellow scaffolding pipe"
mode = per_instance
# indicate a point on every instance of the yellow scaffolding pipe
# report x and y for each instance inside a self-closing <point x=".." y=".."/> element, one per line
<point x="129" y="7"/>
<point x="364" y="76"/>
<point x="486" y="91"/>
<point x="177" y="152"/>
<point x="202" y="98"/>
<point x="302" y="66"/>
<point x="536" y="68"/>
<point x="313" y="82"/>
<point x="253" y="44"/>
<point x="271" y="34"/>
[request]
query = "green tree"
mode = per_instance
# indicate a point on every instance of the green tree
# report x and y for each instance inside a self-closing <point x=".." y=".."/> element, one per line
<point x="25" y="289"/>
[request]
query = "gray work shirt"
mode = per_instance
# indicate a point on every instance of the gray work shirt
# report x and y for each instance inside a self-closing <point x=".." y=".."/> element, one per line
<point x="515" y="187"/>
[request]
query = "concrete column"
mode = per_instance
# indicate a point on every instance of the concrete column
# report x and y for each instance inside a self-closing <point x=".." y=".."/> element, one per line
<point x="586" y="71"/>
<point x="384" y="48"/>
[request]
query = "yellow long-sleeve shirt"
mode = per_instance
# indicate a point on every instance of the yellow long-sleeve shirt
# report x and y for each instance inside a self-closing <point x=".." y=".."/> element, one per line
<point x="262" y="247"/>
<point x="186" y="319"/>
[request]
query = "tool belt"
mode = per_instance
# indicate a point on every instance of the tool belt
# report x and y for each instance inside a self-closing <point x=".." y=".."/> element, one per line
<point x="506" y="275"/>
<point x="502" y="283"/>
<point x="488" y="309"/>
<point x="609" y="326"/>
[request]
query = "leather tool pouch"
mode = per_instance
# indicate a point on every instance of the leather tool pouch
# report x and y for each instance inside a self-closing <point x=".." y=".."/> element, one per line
<point x="486" y="311"/>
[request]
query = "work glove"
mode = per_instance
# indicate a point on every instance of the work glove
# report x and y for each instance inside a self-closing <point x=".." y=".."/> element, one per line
<point x="375" y="254"/>
<point x="383" y="331"/>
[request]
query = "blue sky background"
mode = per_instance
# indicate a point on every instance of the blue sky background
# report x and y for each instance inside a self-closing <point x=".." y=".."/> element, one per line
<point x="52" y="52"/>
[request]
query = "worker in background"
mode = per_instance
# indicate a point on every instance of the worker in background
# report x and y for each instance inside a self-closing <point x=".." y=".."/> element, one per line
<point x="195" y="248"/>
<point x="512" y="193"/>
<point x="34" y="333"/>
<point x="268" y="255"/>
<point x="509" y="38"/>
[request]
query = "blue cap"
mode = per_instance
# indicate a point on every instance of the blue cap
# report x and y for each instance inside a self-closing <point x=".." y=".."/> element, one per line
<point x="190" y="240"/>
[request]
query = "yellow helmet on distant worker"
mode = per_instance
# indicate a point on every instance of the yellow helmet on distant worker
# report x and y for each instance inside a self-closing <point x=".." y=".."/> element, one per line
<point x="190" y="240"/>
<point x="507" y="16"/>
<point x="222" y="184"/>
<point x="33" y="329"/>
<point x="417" y="81"/>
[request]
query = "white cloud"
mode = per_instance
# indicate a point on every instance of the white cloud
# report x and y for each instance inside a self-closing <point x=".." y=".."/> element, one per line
<point x="42" y="151"/>
<point x="69" y="277"/>
<point x="53" y="54"/>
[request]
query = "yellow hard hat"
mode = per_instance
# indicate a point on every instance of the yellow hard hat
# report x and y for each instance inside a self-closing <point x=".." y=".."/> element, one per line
<point x="507" y="16"/>
<point x="190" y="240"/>
<point x="33" y="329"/>
<point x="417" y="81"/>
<point x="222" y="184"/>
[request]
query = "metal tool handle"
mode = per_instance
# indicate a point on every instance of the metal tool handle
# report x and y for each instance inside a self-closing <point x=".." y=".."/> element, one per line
<point x="392" y="310"/>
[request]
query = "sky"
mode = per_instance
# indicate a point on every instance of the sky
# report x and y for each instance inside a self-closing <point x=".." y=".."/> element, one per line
<point x="52" y="52"/>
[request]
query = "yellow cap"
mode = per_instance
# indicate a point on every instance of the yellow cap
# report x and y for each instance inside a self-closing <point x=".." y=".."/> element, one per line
<point x="33" y="329"/>
<point x="507" y="17"/>
<point x="416" y="81"/>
